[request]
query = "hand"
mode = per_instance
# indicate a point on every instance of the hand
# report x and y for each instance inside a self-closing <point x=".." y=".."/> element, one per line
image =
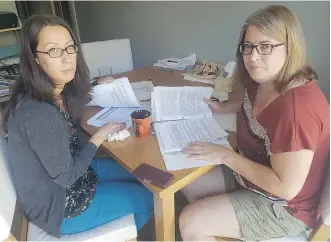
<point x="215" y="105"/>
<point x="209" y="152"/>
<point x="102" y="134"/>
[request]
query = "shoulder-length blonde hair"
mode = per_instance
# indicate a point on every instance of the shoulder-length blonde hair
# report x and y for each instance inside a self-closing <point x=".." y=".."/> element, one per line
<point x="279" y="23"/>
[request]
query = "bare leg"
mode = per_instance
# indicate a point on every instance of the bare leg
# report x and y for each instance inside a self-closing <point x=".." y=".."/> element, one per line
<point x="208" y="218"/>
<point x="211" y="183"/>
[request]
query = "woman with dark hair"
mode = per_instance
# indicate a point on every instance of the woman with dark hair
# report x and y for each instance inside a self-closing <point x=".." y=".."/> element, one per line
<point x="62" y="187"/>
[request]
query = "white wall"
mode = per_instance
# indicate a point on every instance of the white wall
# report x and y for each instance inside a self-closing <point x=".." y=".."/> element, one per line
<point x="210" y="29"/>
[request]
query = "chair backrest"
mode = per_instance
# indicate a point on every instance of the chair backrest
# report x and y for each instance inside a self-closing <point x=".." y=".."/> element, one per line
<point x="8" y="193"/>
<point x="112" y="53"/>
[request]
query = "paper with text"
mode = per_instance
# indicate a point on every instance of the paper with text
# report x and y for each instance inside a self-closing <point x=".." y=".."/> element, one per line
<point x="180" y="160"/>
<point x="173" y="136"/>
<point x="173" y="103"/>
<point x="112" y="115"/>
<point x="118" y="93"/>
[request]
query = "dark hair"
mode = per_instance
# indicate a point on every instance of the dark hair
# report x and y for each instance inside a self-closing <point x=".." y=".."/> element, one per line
<point x="34" y="83"/>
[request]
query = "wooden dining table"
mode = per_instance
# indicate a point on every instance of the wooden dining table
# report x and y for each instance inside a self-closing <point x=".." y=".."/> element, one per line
<point x="134" y="151"/>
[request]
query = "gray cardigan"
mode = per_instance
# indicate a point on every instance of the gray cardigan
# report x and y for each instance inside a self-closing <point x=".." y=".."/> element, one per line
<point x="41" y="162"/>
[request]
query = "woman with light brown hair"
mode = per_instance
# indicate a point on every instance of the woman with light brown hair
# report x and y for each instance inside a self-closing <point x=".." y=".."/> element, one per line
<point x="271" y="187"/>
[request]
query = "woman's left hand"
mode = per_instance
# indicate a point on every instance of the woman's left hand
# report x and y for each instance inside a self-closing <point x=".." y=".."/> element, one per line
<point x="209" y="152"/>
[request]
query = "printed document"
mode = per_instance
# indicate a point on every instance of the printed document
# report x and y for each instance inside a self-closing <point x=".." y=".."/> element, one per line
<point x="174" y="103"/>
<point x="117" y="93"/>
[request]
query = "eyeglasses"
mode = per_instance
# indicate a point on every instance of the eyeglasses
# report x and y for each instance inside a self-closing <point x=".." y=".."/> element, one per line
<point x="58" y="52"/>
<point x="262" y="49"/>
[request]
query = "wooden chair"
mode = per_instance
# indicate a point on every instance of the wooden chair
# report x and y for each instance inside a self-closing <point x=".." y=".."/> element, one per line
<point x="14" y="226"/>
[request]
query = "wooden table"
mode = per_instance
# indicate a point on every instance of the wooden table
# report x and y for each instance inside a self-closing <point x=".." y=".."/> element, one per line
<point x="134" y="151"/>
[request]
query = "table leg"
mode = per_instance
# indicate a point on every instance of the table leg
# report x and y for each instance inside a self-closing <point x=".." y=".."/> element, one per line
<point x="164" y="210"/>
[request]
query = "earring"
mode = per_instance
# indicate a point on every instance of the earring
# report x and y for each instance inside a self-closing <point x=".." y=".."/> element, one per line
<point x="37" y="61"/>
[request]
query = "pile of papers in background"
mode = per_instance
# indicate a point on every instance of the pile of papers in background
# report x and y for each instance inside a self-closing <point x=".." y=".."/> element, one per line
<point x="176" y="63"/>
<point x="10" y="61"/>
<point x="5" y="84"/>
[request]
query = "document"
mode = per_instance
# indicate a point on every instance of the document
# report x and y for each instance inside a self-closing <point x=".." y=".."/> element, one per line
<point x="142" y="90"/>
<point x="177" y="63"/>
<point x="118" y="93"/>
<point x="174" y="103"/>
<point x="179" y="160"/>
<point x="173" y="136"/>
<point x="112" y="115"/>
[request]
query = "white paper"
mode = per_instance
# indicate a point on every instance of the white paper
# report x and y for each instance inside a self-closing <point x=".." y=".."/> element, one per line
<point x="153" y="107"/>
<point x="226" y="121"/>
<point x="177" y="63"/>
<point x="174" y="103"/>
<point x="180" y="160"/>
<point x="118" y="93"/>
<point x="112" y="115"/>
<point x="142" y="90"/>
<point x="173" y="136"/>
<point x="229" y="68"/>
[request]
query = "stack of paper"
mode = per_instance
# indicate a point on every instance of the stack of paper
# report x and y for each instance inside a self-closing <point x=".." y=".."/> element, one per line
<point x="5" y="84"/>
<point x="175" y="103"/>
<point x="173" y="136"/>
<point x="119" y="101"/>
<point x="176" y="63"/>
<point x="118" y="93"/>
<point x="180" y="117"/>
<point x="181" y="161"/>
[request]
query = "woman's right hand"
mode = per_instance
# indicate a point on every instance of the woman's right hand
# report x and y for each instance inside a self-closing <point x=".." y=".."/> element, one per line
<point x="102" y="134"/>
<point x="215" y="106"/>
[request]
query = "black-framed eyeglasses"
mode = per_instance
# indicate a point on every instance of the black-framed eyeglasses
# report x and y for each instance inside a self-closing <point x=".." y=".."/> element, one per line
<point x="58" y="52"/>
<point x="262" y="49"/>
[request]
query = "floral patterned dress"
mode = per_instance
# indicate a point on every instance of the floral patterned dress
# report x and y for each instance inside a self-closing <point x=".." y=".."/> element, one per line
<point x="79" y="195"/>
